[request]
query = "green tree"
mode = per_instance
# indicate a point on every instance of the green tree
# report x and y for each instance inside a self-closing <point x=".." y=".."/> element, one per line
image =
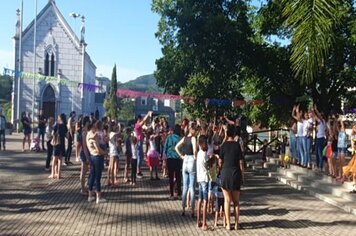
<point x="326" y="62"/>
<point x="5" y="88"/>
<point x="127" y="111"/>
<point x="111" y="103"/>
<point x="205" y="44"/>
<point x="313" y="22"/>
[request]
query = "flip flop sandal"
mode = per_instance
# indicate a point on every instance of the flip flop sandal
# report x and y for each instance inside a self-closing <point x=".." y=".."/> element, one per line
<point x="353" y="191"/>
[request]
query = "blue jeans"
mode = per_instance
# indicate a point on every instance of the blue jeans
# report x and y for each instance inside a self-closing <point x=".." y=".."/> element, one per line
<point x="319" y="146"/>
<point x="2" y="138"/>
<point x="189" y="178"/>
<point x="293" y="146"/>
<point x="140" y="154"/>
<point x="96" y="171"/>
<point x="306" y="143"/>
<point x="308" y="150"/>
<point x="203" y="191"/>
<point x="300" y="150"/>
<point x="69" y="148"/>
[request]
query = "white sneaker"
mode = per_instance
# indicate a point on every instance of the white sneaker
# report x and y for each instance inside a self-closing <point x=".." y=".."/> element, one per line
<point x="100" y="200"/>
<point x="91" y="199"/>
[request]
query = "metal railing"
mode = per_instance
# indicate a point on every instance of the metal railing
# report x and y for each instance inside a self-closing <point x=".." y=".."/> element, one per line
<point x="254" y="141"/>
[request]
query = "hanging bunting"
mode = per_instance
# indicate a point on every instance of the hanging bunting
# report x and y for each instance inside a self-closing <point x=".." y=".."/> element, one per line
<point x="27" y="75"/>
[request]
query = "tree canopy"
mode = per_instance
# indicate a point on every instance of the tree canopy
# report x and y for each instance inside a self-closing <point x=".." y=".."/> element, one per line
<point x="223" y="49"/>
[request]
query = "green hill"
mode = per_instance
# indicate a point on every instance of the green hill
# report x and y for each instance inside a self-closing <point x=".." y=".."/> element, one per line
<point x="145" y="83"/>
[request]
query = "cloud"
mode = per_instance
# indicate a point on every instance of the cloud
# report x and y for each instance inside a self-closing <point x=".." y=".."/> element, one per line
<point x="123" y="74"/>
<point x="6" y="59"/>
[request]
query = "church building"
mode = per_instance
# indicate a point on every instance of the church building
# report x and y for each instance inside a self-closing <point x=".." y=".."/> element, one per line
<point x="60" y="59"/>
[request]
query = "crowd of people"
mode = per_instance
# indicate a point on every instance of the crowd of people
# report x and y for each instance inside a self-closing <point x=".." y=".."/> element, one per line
<point x="196" y="154"/>
<point x="331" y="143"/>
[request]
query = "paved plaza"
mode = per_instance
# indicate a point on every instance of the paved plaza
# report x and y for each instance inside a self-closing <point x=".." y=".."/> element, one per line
<point x="31" y="204"/>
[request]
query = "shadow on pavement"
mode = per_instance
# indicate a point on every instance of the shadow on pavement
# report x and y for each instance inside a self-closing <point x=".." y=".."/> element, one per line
<point x="291" y="224"/>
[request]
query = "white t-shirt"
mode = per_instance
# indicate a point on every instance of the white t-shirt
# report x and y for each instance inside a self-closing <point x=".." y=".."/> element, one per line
<point x="134" y="151"/>
<point x="202" y="171"/>
<point x="299" y="129"/>
<point x="321" y="129"/>
<point x="307" y="124"/>
<point x="113" y="145"/>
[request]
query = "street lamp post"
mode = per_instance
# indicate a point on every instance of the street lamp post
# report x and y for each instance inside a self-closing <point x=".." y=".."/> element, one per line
<point x="34" y="68"/>
<point x="19" y="69"/>
<point x="74" y="16"/>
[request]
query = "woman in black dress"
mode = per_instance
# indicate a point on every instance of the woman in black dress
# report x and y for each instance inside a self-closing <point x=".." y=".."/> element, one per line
<point x="26" y="125"/>
<point x="61" y="130"/>
<point x="231" y="174"/>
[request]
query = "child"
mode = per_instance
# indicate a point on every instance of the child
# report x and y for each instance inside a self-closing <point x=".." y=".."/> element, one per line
<point x="219" y="203"/>
<point x="332" y="155"/>
<point x="134" y="151"/>
<point x="202" y="179"/>
<point x="114" y="156"/>
<point x="212" y="172"/>
<point x="153" y="157"/>
<point x="282" y="154"/>
<point x="128" y="153"/>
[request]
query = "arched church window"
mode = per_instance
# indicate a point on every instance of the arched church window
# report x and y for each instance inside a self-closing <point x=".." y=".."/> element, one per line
<point x="52" y="65"/>
<point x="46" y="66"/>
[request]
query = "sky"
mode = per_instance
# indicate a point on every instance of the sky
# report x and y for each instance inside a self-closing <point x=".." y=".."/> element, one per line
<point x="117" y="31"/>
<point x="120" y="32"/>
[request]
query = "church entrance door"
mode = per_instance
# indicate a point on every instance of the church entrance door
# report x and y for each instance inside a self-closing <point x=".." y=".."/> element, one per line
<point x="49" y="102"/>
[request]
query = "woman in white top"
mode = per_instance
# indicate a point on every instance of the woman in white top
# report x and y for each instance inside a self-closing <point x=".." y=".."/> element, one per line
<point x="320" y="138"/>
<point x="307" y="138"/>
<point x="297" y="115"/>
<point x="114" y="156"/>
<point x="341" y="146"/>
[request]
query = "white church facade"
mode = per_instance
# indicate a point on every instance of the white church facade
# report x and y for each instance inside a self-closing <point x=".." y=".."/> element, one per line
<point x="60" y="56"/>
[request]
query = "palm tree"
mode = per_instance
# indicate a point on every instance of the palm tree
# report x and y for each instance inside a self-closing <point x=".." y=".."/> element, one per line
<point x="312" y="22"/>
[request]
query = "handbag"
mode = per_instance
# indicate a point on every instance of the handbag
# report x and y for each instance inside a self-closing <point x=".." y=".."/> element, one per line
<point x="56" y="139"/>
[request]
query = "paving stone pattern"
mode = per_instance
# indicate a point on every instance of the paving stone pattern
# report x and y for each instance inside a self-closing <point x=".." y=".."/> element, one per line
<point x="30" y="204"/>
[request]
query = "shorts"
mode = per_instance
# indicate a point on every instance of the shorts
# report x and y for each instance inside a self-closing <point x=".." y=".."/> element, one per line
<point x="83" y="158"/>
<point x="335" y="155"/>
<point x="164" y="156"/>
<point x="203" y="191"/>
<point x="27" y="131"/>
<point x="41" y="131"/>
<point x="79" y="137"/>
<point x="59" y="150"/>
<point x="341" y="150"/>
<point x="114" y="157"/>
<point x="213" y="187"/>
<point x="219" y="203"/>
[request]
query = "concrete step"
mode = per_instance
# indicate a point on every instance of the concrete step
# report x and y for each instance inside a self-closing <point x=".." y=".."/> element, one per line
<point x="273" y="160"/>
<point x="344" y="204"/>
<point x="270" y="166"/>
<point x="301" y="173"/>
<point x="335" y="189"/>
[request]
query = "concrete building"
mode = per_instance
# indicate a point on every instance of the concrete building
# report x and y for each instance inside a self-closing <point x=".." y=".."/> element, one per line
<point x="60" y="54"/>
<point x="162" y="107"/>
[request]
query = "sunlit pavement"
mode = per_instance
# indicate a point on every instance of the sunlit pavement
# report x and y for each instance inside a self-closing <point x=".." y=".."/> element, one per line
<point x="31" y="204"/>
